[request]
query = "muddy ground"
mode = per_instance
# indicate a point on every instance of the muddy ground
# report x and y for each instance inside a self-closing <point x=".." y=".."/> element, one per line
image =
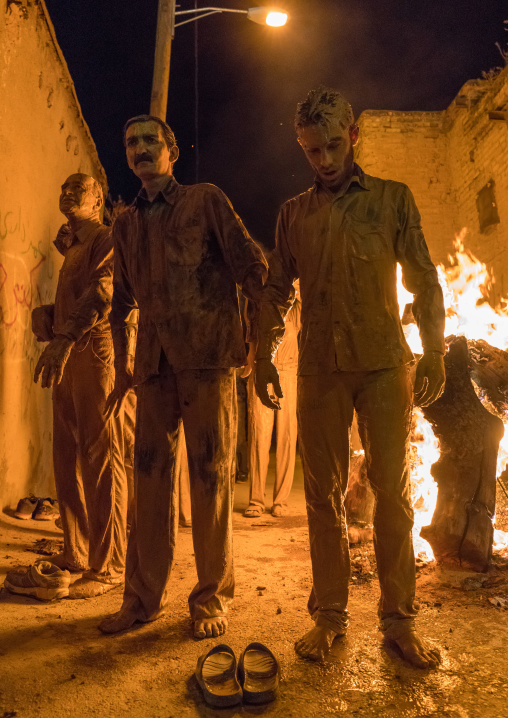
<point x="54" y="662"/>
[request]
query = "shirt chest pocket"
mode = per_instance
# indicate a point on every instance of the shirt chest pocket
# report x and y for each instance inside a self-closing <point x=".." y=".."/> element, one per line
<point x="369" y="242"/>
<point x="185" y="246"/>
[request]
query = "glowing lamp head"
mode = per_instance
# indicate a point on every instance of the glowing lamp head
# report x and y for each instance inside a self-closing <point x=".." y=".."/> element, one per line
<point x="267" y="16"/>
<point x="276" y="18"/>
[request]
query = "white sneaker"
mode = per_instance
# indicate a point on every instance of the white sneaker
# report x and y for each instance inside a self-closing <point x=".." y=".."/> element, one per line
<point x="43" y="581"/>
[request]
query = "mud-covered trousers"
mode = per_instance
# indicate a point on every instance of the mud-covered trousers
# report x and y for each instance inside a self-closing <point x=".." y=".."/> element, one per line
<point x="261" y="420"/>
<point x="383" y="403"/>
<point x="205" y="400"/>
<point x="88" y="458"/>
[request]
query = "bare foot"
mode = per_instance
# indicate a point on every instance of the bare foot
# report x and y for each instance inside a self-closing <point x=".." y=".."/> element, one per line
<point x="316" y="643"/>
<point x="120" y="621"/>
<point x="210" y="627"/>
<point x="419" y="653"/>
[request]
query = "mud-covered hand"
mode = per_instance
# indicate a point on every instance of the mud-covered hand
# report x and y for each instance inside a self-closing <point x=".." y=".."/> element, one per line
<point x="265" y="373"/>
<point x="52" y="361"/>
<point x="42" y="322"/>
<point x="123" y="384"/>
<point x="430" y="378"/>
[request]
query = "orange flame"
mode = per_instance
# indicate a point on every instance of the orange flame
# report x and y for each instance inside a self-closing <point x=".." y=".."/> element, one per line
<point x="466" y="284"/>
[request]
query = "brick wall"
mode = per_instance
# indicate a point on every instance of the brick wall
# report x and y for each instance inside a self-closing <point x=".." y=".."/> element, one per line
<point x="477" y="133"/>
<point x="446" y="158"/>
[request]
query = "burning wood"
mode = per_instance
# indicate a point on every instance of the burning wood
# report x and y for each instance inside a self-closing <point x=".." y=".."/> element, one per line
<point x="457" y="514"/>
<point x="461" y="529"/>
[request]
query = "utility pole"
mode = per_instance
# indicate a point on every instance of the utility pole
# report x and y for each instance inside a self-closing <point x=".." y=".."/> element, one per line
<point x="165" y="34"/>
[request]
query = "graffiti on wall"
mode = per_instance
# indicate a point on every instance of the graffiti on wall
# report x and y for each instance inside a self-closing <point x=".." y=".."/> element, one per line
<point x="25" y="274"/>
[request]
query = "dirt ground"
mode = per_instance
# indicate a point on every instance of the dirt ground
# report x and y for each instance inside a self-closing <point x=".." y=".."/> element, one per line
<point x="54" y="662"/>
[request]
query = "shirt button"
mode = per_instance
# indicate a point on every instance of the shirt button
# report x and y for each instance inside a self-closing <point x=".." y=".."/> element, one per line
<point x="159" y="325"/>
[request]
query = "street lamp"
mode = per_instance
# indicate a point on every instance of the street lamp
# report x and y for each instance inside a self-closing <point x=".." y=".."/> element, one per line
<point x="271" y="16"/>
<point x="274" y="17"/>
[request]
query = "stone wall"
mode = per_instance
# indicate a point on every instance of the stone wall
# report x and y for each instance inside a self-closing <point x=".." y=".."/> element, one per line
<point x="447" y="158"/>
<point x="44" y="139"/>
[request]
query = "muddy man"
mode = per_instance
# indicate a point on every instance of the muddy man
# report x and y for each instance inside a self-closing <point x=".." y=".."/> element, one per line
<point x="180" y="252"/>
<point x="343" y="238"/>
<point x="88" y="448"/>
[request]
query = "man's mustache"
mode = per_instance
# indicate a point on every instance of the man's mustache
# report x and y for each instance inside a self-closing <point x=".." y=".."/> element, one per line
<point x="143" y="157"/>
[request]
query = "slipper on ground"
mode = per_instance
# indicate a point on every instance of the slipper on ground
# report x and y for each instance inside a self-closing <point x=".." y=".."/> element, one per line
<point x="216" y="675"/>
<point x="253" y="512"/>
<point x="259" y="674"/>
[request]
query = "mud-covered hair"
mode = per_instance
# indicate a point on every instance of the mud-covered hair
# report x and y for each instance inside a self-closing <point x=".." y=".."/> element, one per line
<point x="169" y="135"/>
<point x="320" y="106"/>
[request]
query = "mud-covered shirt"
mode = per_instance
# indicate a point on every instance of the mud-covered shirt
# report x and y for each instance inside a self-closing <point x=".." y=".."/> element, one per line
<point x="179" y="260"/>
<point x="344" y="248"/>
<point x="85" y="283"/>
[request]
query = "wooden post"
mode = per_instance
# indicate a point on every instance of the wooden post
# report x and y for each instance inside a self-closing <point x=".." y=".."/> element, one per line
<point x="160" y="82"/>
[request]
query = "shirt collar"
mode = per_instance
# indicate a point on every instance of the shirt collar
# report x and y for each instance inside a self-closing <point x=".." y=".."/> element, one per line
<point x="357" y="178"/>
<point x="87" y="232"/>
<point x="166" y="194"/>
<point x="66" y="237"/>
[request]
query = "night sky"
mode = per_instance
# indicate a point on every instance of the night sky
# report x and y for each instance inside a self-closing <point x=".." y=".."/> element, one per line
<point x="382" y="54"/>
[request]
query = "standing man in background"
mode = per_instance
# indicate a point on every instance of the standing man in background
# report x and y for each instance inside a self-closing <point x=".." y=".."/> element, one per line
<point x="88" y="448"/>
<point x="261" y="421"/>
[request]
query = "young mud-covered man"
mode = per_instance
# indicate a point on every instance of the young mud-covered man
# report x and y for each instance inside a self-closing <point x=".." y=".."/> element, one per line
<point x="343" y="238"/>
<point x="180" y="252"/>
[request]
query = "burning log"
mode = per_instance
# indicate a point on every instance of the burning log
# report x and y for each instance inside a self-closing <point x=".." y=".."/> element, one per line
<point x="489" y="371"/>
<point x="461" y="529"/>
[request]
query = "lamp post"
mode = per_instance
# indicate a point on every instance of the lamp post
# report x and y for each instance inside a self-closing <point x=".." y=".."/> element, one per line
<point x="166" y="31"/>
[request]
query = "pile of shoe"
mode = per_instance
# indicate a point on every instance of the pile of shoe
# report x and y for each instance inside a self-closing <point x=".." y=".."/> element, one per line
<point x="43" y="581"/>
<point x="33" y="507"/>
<point x="255" y="681"/>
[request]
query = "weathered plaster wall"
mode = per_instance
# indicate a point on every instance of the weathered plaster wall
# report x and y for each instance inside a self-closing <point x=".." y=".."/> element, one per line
<point x="446" y="158"/>
<point x="43" y="139"/>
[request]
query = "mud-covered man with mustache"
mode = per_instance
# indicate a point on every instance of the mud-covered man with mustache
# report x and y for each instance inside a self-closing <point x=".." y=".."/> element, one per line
<point x="343" y="238"/>
<point x="180" y="253"/>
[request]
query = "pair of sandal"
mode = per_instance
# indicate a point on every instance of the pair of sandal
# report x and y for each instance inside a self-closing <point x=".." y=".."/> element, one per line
<point x="254" y="512"/>
<point x="255" y="680"/>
